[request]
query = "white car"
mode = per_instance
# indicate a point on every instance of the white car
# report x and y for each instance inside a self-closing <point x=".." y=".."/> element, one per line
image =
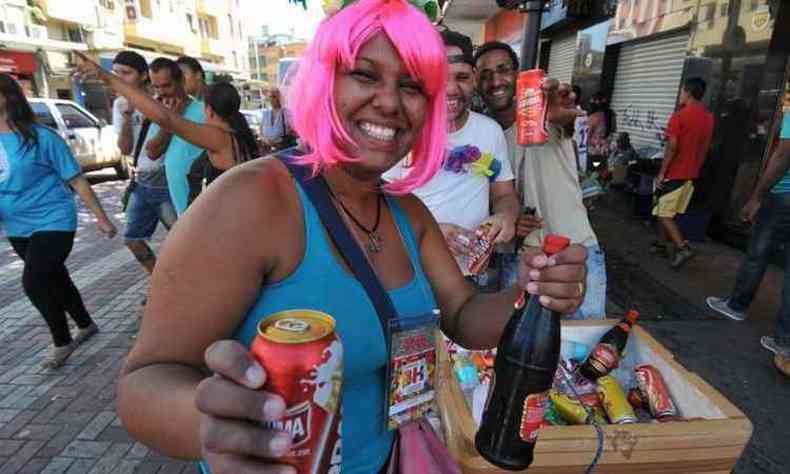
<point x="93" y="142"/>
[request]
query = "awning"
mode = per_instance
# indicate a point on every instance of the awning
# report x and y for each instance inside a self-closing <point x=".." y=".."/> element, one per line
<point x="13" y="62"/>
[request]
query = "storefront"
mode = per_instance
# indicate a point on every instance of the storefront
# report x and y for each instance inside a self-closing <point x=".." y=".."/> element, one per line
<point x="739" y="48"/>
<point x="23" y="67"/>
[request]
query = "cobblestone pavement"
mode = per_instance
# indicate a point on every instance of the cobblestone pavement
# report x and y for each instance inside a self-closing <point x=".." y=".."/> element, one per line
<point x="64" y="421"/>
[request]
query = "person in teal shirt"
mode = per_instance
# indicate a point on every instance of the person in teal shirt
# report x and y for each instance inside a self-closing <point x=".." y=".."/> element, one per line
<point x="206" y="139"/>
<point x="370" y="90"/>
<point x="181" y="155"/>
<point x="769" y="210"/>
<point x="38" y="178"/>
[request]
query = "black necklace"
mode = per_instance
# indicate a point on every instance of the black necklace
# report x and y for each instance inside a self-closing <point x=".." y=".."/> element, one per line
<point x="375" y="243"/>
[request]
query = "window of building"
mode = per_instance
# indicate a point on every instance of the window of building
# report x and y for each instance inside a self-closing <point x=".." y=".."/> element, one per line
<point x="724" y="9"/>
<point x="204" y="28"/>
<point x="191" y="23"/>
<point x="145" y="8"/>
<point x="108" y="4"/>
<point x="232" y="26"/>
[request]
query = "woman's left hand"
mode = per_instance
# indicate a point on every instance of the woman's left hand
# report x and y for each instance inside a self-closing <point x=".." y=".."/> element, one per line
<point x="559" y="279"/>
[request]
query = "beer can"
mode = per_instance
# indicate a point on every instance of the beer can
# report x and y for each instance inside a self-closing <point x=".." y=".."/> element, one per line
<point x="574" y="412"/>
<point x="303" y="360"/>
<point x="614" y="401"/>
<point x="655" y="391"/>
<point x="531" y="108"/>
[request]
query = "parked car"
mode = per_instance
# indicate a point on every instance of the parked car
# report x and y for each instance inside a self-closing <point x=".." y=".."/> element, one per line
<point x="254" y="121"/>
<point x="93" y="142"/>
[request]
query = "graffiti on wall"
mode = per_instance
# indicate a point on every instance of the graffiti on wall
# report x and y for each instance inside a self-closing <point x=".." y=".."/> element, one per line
<point x="648" y="121"/>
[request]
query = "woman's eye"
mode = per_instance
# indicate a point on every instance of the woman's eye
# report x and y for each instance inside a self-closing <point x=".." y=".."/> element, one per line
<point x="412" y="87"/>
<point x="363" y="76"/>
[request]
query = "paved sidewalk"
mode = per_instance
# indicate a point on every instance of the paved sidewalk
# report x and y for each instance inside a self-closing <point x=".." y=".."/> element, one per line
<point x="64" y="421"/>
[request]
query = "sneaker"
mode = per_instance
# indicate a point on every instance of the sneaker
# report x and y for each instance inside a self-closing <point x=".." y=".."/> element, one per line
<point x="683" y="255"/>
<point x="85" y="333"/>
<point x="659" y="249"/>
<point x="774" y="346"/>
<point x="782" y="364"/>
<point x="57" y="355"/>
<point x="722" y="306"/>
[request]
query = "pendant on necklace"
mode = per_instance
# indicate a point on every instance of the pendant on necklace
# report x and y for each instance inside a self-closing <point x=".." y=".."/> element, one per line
<point x="374" y="242"/>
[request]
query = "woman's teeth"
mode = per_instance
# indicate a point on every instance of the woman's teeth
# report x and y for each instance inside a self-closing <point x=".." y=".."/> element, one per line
<point x="377" y="131"/>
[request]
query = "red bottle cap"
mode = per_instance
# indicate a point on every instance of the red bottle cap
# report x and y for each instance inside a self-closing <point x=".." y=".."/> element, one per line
<point x="554" y="243"/>
<point x="632" y="316"/>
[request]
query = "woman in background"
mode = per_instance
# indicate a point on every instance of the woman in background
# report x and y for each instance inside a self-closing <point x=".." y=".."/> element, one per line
<point x="38" y="178"/>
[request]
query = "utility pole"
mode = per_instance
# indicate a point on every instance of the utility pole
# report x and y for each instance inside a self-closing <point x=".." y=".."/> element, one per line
<point x="529" y="47"/>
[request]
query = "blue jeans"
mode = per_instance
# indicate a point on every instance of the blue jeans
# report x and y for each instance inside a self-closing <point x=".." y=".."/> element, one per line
<point x="148" y="206"/>
<point x="594" y="305"/>
<point x="772" y="229"/>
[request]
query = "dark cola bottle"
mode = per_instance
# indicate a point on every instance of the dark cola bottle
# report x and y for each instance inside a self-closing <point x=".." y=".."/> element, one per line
<point x="526" y="360"/>
<point x="607" y="353"/>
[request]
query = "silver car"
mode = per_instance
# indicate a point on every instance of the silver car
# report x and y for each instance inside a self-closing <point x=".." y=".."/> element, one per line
<point x="93" y="142"/>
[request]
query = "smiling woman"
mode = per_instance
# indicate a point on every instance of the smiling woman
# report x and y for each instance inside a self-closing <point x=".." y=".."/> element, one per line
<point x="368" y="92"/>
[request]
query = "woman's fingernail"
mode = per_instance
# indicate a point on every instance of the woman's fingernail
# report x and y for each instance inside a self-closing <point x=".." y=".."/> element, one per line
<point x="279" y="444"/>
<point x="545" y="300"/>
<point x="532" y="288"/>
<point x="539" y="261"/>
<point x="534" y="274"/>
<point x="273" y="409"/>
<point x="254" y="375"/>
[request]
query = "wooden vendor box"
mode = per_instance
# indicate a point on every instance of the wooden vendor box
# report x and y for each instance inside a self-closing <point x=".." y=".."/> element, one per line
<point x="709" y="445"/>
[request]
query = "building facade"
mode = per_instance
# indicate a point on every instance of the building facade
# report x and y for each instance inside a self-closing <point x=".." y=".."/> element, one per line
<point x="37" y="38"/>
<point x="266" y="53"/>
<point x="638" y="52"/>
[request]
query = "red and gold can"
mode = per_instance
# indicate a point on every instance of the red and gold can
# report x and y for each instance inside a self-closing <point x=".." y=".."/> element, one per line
<point x="636" y="399"/>
<point x="614" y="401"/>
<point x="654" y="389"/>
<point x="531" y="108"/>
<point x="303" y="360"/>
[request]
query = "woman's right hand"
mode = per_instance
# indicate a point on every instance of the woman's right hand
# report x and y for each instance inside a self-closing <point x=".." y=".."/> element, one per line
<point x="231" y="399"/>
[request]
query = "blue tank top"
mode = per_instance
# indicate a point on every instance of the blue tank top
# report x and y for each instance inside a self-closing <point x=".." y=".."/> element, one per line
<point x="321" y="283"/>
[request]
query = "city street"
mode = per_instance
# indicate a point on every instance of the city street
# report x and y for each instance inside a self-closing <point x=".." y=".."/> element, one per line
<point x="65" y="421"/>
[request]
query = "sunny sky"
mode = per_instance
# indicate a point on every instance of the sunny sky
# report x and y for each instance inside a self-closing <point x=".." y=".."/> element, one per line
<point x="281" y="16"/>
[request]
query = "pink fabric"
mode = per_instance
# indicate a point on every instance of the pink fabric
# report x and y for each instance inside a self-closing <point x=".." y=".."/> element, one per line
<point x="419" y="450"/>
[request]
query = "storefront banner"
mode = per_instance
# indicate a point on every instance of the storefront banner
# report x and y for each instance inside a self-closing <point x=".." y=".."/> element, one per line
<point x="13" y="62"/>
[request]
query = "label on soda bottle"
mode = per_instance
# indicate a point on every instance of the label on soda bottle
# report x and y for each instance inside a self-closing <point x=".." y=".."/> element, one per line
<point x="532" y="416"/>
<point x="604" y="358"/>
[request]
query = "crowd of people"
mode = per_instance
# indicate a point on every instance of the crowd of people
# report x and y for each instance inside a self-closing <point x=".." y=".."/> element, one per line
<point x="383" y="114"/>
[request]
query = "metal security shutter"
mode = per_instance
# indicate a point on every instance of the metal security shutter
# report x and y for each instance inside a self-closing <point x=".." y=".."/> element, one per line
<point x="561" y="57"/>
<point x="646" y="87"/>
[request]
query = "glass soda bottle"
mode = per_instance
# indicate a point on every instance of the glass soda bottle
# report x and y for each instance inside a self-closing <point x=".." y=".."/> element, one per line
<point x="607" y="353"/>
<point x="527" y="357"/>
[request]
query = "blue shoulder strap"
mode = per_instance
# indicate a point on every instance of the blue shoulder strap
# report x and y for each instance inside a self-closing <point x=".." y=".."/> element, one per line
<point x="317" y="191"/>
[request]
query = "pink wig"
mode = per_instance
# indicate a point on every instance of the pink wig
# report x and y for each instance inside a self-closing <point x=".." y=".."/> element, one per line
<point x="337" y="42"/>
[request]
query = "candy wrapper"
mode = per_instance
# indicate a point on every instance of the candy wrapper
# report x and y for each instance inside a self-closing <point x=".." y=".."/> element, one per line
<point x="482" y="248"/>
<point x="567" y="378"/>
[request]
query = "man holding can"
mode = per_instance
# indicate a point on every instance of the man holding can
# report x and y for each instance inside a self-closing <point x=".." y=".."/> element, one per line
<point x="547" y="178"/>
<point x="476" y="177"/>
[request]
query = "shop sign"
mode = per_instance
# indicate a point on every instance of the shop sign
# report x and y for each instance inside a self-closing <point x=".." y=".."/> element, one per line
<point x="17" y="63"/>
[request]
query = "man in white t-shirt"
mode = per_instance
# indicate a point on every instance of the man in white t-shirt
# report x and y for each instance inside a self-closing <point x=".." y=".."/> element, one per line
<point x="149" y="200"/>
<point x="475" y="184"/>
<point x="547" y="177"/>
